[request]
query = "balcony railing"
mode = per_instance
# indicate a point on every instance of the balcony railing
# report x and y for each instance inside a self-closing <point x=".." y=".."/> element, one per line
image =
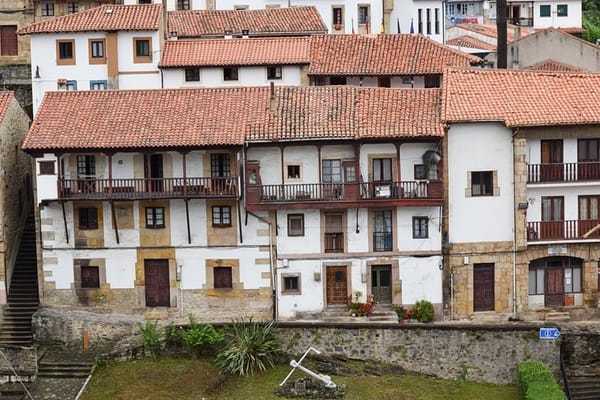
<point x="563" y="172"/>
<point x="563" y="230"/>
<point x="146" y="188"/>
<point x="344" y="191"/>
<point x="334" y="242"/>
<point x="382" y="241"/>
<point x="521" y="21"/>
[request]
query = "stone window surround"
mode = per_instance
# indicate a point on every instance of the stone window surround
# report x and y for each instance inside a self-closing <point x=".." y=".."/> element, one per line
<point x="210" y="264"/>
<point x="297" y="291"/>
<point x="88" y="262"/>
<point x="495" y="187"/>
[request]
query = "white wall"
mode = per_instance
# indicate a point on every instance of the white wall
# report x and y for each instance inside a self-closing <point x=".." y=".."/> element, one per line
<point x="573" y="18"/>
<point x="247" y="76"/>
<point x="47" y="185"/>
<point x="480" y="147"/>
<point x="421" y="279"/>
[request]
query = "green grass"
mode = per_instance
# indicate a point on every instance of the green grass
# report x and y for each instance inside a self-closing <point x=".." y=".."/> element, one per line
<point x="189" y="379"/>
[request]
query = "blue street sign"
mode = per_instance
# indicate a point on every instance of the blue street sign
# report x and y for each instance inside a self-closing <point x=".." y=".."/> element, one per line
<point x="549" y="333"/>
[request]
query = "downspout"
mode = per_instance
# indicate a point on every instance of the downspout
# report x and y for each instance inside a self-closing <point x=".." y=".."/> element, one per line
<point x="271" y="266"/>
<point x="514" y="249"/>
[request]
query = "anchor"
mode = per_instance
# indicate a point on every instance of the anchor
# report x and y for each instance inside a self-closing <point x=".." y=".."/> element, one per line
<point x="298" y="364"/>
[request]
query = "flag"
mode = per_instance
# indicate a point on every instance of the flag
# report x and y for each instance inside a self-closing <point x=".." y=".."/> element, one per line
<point x="398" y="24"/>
<point x="352" y="26"/>
<point x="412" y="28"/>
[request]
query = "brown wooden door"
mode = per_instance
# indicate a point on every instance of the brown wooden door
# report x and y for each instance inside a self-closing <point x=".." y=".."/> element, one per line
<point x="554" y="285"/>
<point x="552" y="226"/>
<point x="588" y="159"/>
<point x="381" y="283"/>
<point x="8" y="40"/>
<point x="156" y="274"/>
<point x="483" y="287"/>
<point x="551" y="169"/>
<point x="153" y="170"/>
<point x="337" y="285"/>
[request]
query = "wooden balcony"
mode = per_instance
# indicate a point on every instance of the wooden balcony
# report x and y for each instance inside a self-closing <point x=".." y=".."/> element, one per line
<point x="146" y="188"/>
<point x="563" y="172"/>
<point x="563" y="230"/>
<point x="340" y="195"/>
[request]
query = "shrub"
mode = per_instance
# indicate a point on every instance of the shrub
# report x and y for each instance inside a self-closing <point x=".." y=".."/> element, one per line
<point x="152" y="337"/>
<point x="536" y="382"/>
<point x="249" y="347"/>
<point x="423" y="311"/>
<point x="173" y="336"/>
<point x="199" y="337"/>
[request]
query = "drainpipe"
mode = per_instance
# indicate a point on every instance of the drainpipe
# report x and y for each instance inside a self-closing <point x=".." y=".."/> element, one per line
<point x="271" y="266"/>
<point x="514" y="245"/>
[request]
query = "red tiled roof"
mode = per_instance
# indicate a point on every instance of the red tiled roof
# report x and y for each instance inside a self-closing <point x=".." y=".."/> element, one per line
<point x="292" y="21"/>
<point x="344" y="112"/>
<point x="470" y="42"/>
<point x="6" y="97"/>
<point x="551" y="65"/>
<point x="488" y="30"/>
<point x="170" y="118"/>
<point x="109" y="17"/>
<point x="397" y="54"/>
<point x="520" y="97"/>
<point x="253" y="51"/>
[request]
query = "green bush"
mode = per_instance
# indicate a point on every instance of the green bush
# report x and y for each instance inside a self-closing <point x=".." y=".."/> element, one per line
<point x="249" y="347"/>
<point x="200" y="337"/>
<point x="152" y="337"/>
<point x="173" y="336"/>
<point x="423" y="311"/>
<point x="536" y="382"/>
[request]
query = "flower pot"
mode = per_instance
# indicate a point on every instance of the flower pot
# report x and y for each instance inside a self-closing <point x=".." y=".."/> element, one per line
<point x="337" y="27"/>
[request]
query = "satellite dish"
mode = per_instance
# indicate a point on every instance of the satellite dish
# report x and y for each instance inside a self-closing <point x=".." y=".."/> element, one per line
<point x="431" y="157"/>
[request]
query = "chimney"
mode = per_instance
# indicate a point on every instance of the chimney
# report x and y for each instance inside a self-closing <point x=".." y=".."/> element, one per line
<point x="245" y="33"/>
<point x="228" y="34"/>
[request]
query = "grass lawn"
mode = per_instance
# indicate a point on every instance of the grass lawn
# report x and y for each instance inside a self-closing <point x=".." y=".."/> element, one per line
<point x="182" y="378"/>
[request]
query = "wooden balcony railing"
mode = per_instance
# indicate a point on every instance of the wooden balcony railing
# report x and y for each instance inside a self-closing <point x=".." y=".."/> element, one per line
<point x="563" y="230"/>
<point x="146" y="188"/>
<point x="371" y="191"/>
<point x="563" y="172"/>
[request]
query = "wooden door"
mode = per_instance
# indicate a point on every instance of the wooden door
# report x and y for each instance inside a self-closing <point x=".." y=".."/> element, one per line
<point x="483" y="287"/>
<point x="154" y="172"/>
<point x="588" y="159"/>
<point x="551" y="169"/>
<point x="337" y="285"/>
<point x="552" y="225"/>
<point x="554" y="285"/>
<point x="156" y="273"/>
<point x="381" y="283"/>
<point x="8" y="40"/>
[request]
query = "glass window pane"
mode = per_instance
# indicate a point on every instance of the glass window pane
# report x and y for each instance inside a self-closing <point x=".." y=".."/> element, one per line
<point x="577" y="279"/>
<point x="540" y="281"/>
<point x="532" y="281"/>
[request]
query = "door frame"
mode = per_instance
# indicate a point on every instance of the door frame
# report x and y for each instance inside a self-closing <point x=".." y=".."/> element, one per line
<point x="166" y="263"/>
<point x="481" y="267"/>
<point x="347" y="268"/>
<point x="381" y="267"/>
<point x="396" y="282"/>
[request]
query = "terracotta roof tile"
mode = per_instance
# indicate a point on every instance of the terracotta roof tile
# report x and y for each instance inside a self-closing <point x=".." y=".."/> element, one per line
<point x="6" y="97"/>
<point x="292" y="21"/>
<point x="170" y="118"/>
<point x="551" y="65"/>
<point x="108" y="17"/>
<point x="470" y="42"/>
<point x="488" y="30"/>
<point x="398" y="54"/>
<point x="521" y="97"/>
<point x="253" y="51"/>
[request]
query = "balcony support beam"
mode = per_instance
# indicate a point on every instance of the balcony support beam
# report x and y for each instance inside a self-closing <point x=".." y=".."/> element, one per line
<point x="114" y="219"/>
<point x="64" y="213"/>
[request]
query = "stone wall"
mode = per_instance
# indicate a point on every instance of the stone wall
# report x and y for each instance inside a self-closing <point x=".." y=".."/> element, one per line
<point x="23" y="361"/>
<point x="474" y="353"/>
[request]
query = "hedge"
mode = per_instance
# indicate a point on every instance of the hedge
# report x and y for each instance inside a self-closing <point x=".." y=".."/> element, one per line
<point x="536" y="382"/>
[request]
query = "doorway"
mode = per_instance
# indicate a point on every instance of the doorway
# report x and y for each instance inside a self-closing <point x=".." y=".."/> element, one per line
<point x="381" y="283"/>
<point x="153" y="170"/>
<point x="337" y="285"/>
<point x="483" y="287"/>
<point x="156" y="275"/>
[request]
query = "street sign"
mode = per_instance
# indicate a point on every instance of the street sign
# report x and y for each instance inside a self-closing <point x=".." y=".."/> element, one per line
<point x="549" y="333"/>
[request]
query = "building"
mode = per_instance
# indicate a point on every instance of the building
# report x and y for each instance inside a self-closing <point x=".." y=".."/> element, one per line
<point x="521" y="235"/>
<point x="201" y="201"/>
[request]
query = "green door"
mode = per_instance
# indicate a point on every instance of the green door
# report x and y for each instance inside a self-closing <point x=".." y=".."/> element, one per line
<point x="381" y="283"/>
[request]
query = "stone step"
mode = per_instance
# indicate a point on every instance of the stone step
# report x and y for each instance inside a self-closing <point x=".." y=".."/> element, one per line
<point x="63" y="370"/>
<point x="558" y="316"/>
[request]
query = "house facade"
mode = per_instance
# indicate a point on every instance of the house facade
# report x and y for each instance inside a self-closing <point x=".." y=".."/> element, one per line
<point x="534" y="164"/>
<point x="199" y="211"/>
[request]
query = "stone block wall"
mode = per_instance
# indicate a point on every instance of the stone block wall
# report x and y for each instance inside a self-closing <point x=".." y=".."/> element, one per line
<point x="23" y="361"/>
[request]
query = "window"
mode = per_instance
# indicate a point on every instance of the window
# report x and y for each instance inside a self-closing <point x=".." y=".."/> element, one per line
<point x="88" y="218"/>
<point x="8" y="40"/>
<point x="72" y="7"/>
<point x="221" y="216"/>
<point x="144" y="1"/>
<point x="437" y="21"/>
<point x="98" y="85"/>
<point x="290" y="284"/>
<point x="86" y="166"/>
<point x="589" y="208"/>
<point x="562" y="10"/>
<point x="183" y="4"/>
<point x="420" y="171"/>
<point x="420" y="20"/>
<point x="382" y="230"/>
<point x="192" y="74"/>
<point x="295" y="224"/>
<point x="293" y="171"/>
<point x="97" y="55"/>
<point x="337" y="15"/>
<point x="230" y="74"/>
<point x="65" y="52"/>
<point x="482" y="183"/>
<point x="155" y="217"/>
<point x="223" y="278"/>
<point x="142" y="50"/>
<point x="332" y="171"/>
<point x="240" y="7"/>
<point x="552" y="208"/>
<point x="47" y="9"/>
<point x="407" y="80"/>
<point x="363" y="15"/>
<point x="420" y="227"/>
<point x="428" y="20"/>
<point x="384" y="81"/>
<point x="71" y="85"/>
<point x="382" y="170"/>
<point x="432" y="81"/>
<point x="337" y="80"/>
<point x="545" y="10"/>
<point x="588" y="150"/>
<point x="334" y="233"/>
<point x="219" y="165"/>
<point x="274" y="72"/>
<point x="47" y="167"/>
<point x="572" y="274"/>
<point x="90" y="277"/>
<point x="350" y="173"/>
